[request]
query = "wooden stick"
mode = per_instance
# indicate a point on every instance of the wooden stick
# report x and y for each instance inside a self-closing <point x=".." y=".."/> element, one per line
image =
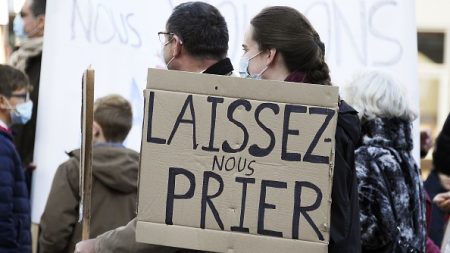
<point x="87" y="119"/>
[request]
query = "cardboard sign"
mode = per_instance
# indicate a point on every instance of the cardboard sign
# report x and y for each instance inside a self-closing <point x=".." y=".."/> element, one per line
<point x="236" y="165"/>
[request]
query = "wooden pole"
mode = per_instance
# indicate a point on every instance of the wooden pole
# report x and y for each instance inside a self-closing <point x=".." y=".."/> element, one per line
<point x="87" y="119"/>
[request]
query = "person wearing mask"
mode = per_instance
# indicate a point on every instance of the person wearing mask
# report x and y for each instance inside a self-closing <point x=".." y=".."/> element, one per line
<point x="195" y="40"/>
<point x="29" y="26"/>
<point x="115" y="171"/>
<point x="15" y="216"/>
<point x="391" y="193"/>
<point x="281" y="44"/>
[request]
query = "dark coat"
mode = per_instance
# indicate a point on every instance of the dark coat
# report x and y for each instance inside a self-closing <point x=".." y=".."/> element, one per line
<point x="441" y="159"/>
<point x="390" y="189"/>
<point x="345" y="227"/>
<point x="439" y="218"/>
<point x="431" y="246"/>
<point x="15" y="218"/>
<point x="441" y="164"/>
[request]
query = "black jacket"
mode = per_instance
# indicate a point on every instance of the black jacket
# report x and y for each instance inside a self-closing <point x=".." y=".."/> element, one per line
<point x="441" y="159"/>
<point x="438" y="217"/>
<point x="345" y="228"/>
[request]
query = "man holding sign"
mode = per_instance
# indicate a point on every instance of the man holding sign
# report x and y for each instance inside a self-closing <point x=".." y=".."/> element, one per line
<point x="196" y="40"/>
<point x="247" y="166"/>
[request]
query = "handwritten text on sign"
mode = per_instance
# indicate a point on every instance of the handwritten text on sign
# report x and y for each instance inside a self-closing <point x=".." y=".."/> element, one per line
<point x="238" y="164"/>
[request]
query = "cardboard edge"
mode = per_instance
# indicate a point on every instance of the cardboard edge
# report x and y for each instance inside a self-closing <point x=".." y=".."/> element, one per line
<point x="331" y="170"/>
<point x="143" y="140"/>
<point x="220" y="241"/>
<point x="230" y="86"/>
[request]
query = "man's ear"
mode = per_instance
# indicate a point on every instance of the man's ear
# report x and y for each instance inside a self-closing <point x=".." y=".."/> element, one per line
<point x="178" y="46"/>
<point x="40" y="22"/>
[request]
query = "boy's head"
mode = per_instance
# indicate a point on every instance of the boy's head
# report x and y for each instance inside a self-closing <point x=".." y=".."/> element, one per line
<point x="14" y="91"/>
<point x="112" y="119"/>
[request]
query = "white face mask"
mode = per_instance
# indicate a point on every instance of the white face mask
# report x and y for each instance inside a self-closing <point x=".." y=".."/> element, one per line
<point x="22" y="114"/>
<point x="170" y="61"/>
<point x="162" y="51"/>
<point x="243" y="68"/>
<point x="19" y="29"/>
<point x="164" y="56"/>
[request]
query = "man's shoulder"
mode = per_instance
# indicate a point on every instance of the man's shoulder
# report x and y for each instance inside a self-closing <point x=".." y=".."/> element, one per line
<point x="70" y="167"/>
<point x="115" y="150"/>
<point x="348" y="125"/>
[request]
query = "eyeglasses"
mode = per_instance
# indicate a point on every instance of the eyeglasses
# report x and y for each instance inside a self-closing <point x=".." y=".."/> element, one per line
<point x="162" y="37"/>
<point x="24" y="96"/>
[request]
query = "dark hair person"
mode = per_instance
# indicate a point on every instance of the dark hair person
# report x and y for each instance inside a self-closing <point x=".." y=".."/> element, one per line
<point x="281" y="44"/>
<point x="199" y="30"/>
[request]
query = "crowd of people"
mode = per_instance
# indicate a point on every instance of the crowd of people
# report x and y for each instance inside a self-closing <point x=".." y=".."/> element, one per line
<point x="379" y="202"/>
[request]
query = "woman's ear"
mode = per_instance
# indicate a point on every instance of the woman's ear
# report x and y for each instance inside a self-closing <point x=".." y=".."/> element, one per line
<point x="272" y="54"/>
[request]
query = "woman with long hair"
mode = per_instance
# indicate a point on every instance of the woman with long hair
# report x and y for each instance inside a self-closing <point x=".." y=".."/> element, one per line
<point x="281" y="44"/>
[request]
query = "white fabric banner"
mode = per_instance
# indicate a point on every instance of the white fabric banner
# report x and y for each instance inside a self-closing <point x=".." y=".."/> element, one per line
<point x="119" y="39"/>
<point x="4" y="12"/>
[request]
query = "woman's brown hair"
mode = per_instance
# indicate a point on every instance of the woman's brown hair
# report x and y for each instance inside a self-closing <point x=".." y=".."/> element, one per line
<point x="290" y="33"/>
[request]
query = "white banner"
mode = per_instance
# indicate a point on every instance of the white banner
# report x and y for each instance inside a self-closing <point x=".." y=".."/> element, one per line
<point x="119" y="39"/>
<point x="4" y="18"/>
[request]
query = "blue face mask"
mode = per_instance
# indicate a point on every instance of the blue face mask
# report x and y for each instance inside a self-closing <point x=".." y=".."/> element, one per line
<point x="19" y="29"/>
<point x="22" y="113"/>
<point x="243" y="68"/>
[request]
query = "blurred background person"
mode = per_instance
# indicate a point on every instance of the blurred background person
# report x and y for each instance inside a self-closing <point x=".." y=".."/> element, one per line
<point x="390" y="189"/>
<point x="15" y="212"/>
<point x="426" y="143"/>
<point x="114" y="170"/>
<point x="438" y="184"/>
<point x="29" y="28"/>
